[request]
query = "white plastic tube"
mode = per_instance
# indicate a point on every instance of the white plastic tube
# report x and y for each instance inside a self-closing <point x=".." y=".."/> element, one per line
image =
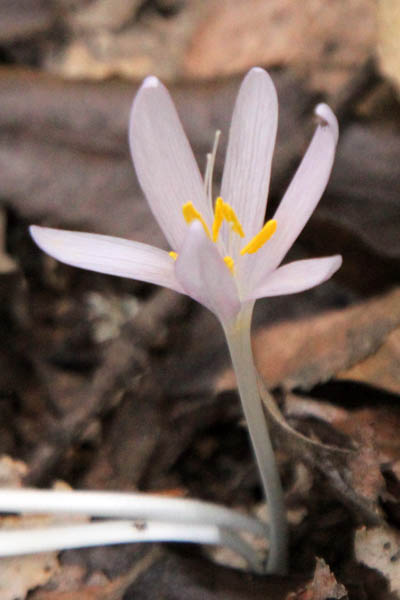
<point x="63" y="537"/>
<point x="122" y="505"/>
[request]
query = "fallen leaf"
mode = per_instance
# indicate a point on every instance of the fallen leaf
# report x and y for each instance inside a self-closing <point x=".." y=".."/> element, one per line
<point x="389" y="35"/>
<point x="20" y="574"/>
<point x="323" y="586"/>
<point x="312" y="350"/>
<point x="314" y="37"/>
<point x="379" y="548"/>
<point x="123" y="46"/>
<point x="381" y="369"/>
<point x="353" y="474"/>
<point x="103" y="14"/>
<point x="12" y="472"/>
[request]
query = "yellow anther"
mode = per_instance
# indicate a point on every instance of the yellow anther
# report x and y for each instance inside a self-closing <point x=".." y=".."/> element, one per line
<point x="259" y="240"/>
<point x="224" y="211"/>
<point x="231" y="217"/>
<point x="173" y="254"/>
<point x="190" y="214"/>
<point x="230" y="263"/>
<point x="218" y="218"/>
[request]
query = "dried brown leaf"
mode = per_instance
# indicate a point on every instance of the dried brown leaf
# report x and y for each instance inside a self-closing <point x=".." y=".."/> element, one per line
<point x="12" y="472"/>
<point x="121" y="46"/>
<point x="312" y="350"/>
<point x="20" y="574"/>
<point x="323" y="586"/>
<point x="381" y="369"/>
<point x="316" y="38"/>
<point x="389" y="34"/>
<point x="354" y="475"/>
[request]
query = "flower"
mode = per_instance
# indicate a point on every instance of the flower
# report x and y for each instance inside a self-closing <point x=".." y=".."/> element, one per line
<point x="221" y="253"/>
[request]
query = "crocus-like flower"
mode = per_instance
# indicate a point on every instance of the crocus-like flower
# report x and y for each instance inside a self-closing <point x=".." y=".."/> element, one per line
<point x="221" y="253"/>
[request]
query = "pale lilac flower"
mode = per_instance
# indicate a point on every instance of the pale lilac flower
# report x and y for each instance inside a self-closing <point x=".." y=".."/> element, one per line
<point x="221" y="254"/>
<point x="207" y="261"/>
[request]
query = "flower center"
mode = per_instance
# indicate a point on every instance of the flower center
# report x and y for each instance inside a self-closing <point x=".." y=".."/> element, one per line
<point x="223" y="211"/>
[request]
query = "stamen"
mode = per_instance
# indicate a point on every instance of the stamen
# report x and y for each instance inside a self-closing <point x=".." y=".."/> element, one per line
<point x="218" y="218"/>
<point x="231" y="217"/>
<point x="224" y="211"/>
<point x="173" y="254"/>
<point x="190" y="214"/>
<point x="208" y="177"/>
<point x="207" y="172"/>
<point x="259" y="240"/>
<point x="230" y="263"/>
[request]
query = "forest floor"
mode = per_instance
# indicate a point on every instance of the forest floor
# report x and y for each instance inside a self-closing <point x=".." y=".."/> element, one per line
<point x="113" y="384"/>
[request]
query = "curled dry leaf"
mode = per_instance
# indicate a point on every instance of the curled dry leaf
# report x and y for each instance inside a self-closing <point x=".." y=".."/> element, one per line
<point x="353" y="473"/>
<point x="295" y="442"/>
<point x="323" y="586"/>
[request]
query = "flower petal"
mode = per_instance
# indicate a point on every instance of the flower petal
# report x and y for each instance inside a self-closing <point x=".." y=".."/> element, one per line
<point x="297" y="276"/>
<point x="204" y="276"/>
<point x="164" y="161"/>
<point x="302" y="195"/>
<point x="245" y="181"/>
<point x="106" y="254"/>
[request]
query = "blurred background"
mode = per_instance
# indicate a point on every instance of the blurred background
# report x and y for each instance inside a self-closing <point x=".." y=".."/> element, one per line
<point x="111" y="383"/>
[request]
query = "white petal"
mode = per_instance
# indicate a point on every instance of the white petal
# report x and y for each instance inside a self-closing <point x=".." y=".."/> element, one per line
<point x="164" y="161"/>
<point x="245" y="181"/>
<point x="302" y="195"/>
<point x="204" y="276"/>
<point x="106" y="254"/>
<point x="297" y="276"/>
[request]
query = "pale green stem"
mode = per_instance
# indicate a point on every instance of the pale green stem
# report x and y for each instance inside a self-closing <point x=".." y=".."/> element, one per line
<point x="239" y="342"/>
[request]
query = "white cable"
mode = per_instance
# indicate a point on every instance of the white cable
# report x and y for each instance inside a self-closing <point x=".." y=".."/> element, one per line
<point x="63" y="537"/>
<point x="127" y="506"/>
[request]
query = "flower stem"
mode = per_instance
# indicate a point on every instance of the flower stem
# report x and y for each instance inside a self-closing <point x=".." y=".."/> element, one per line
<point x="239" y="342"/>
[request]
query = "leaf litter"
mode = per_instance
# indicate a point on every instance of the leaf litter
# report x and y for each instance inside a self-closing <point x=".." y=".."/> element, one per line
<point x="110" y="384"/>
